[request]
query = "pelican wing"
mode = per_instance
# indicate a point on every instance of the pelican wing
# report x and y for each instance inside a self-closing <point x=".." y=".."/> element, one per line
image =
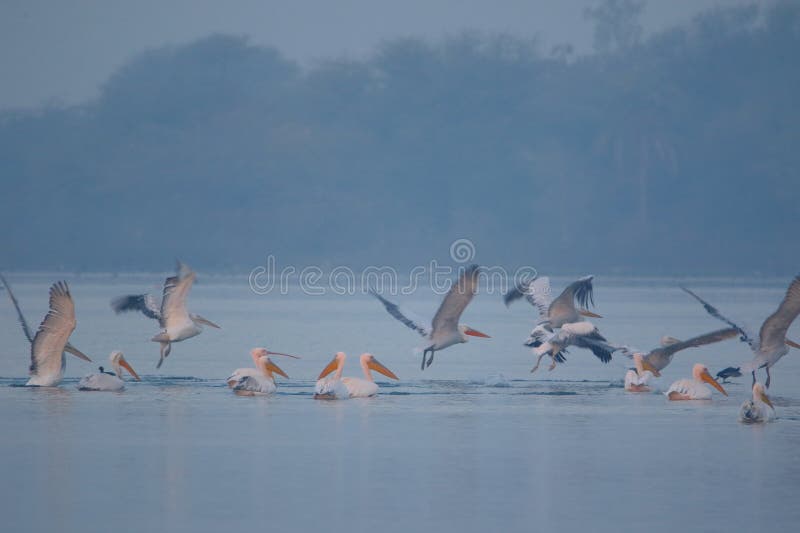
<point x="536" y="291"/>
<point x="586" y="335"/>
<point x="24" y="323"/>
<point x="773" y="331"/>
<point x="404" y="316"/>
<point x="580" y="291"/>
<point x="47" y="348"/>
<point x="144" y="303"/>
<point x="173" y="303"/>
<point x="746" y="336"/>
<point x="456" y="301"/>
<point x="700" y="340"/>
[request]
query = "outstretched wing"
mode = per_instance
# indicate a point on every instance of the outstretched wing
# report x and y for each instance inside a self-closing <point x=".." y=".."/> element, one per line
<point x="773" y="332"/>
<point x="745" y="335"/>
<point x="144" y="303"/>
<point x="586" y="335"/>
<point x="47" y="348"/>
<point x="580" y="291"/>
<point x="700" y="340"/>
<point x="536" y="291"/>
<point x="173" y="303"/>
<point x="456" y="301"/>
<point x="404" y="316"/>
<point x="25" y="328"/>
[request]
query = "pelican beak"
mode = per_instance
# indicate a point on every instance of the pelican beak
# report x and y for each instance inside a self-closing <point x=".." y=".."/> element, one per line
<point x="207" y="322"/>
<point x="765" y="399"/>
<point x="586" y="312"/>
<point x="651" y="368"/>
<point x="476" y="333"/>
<point x="76" y="352"/>
<point x="333" y="365"/>
<point x="285" y="355"/>
<point x="276" y="369"/>
<point x="124" y="364"/>
<point x="793" y="344"/>
<point x="373" y="364"/>
<point x="705" y="376"/>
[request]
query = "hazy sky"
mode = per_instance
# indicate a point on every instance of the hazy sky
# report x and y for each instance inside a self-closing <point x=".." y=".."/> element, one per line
<point x="61" y="50"/>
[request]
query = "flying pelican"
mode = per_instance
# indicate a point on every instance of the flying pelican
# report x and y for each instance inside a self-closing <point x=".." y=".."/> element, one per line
<point x="580" y="334"/>
<point x="109" y="381"/>
<point x="636" y="380"/>
<point x="329" y="386"/>
<point x="177" y="324"/>
<point x="759" y="409"/>
<point x="557" y="313"/>
<point x="355" y="387"/>
<point x="730" y="372"/>
<point x="263" y="382"/>
<point x="52" y="337"/>
<point x="445" y="330"/>
<point x="694" y="389"/>
<point x="770" y="343"/>
<point x="256" y="354"/>
<point x="660" y="357"/>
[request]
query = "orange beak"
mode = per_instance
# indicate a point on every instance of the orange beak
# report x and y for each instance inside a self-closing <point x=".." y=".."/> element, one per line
<point x="333" y="365"/>
<point x="124" y="364"/>
<point x="705" y="376"/>
<point x="276" y="369"/>
<point x="476" y="333"/>
<point x="373" y="364"/>
<point x="765" y="399"/>
<point x="586" y="312"/>
<point x="793" y="344"/>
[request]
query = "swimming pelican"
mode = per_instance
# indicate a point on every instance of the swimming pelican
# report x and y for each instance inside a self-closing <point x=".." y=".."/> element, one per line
<point x="355" y="387"/>
<point x="261" y="383"/>
<point x="256" y="354"/>
<point x="695" y="388"/>
<point x="329" y="386"/>
<point x="730" y="372"/>
<point x="771" y="343"/>
<point x="557" y="313"/>
<point x="109" y="381"/>
<point x="445" y="330"/>
<point x="52" y="337"/>
<point x="177" y="324"/>
<point x="637" y="379"/>
<point x="759" y="409"/>
<point x="660" y="357"/>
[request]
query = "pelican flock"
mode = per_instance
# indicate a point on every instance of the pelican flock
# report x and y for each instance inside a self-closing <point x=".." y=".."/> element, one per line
<point x="331" y="385"/>
<point x="177" y="324"/>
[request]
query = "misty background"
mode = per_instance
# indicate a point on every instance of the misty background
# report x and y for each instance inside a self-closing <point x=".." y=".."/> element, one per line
<point x="667" y="152"/>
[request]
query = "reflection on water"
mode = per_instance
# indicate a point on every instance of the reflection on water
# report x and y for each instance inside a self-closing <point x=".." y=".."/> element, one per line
<point x="474" y="443"/>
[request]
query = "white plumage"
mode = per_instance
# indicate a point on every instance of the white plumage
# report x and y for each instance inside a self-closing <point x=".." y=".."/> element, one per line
<point x="107" y="381"/>
<point x="758" y="409"/>
<point x="695" y="388"/>
<point x="334" y="386"/>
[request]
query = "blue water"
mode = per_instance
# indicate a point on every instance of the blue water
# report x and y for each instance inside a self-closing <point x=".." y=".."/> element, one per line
<point x="474" y="443"/>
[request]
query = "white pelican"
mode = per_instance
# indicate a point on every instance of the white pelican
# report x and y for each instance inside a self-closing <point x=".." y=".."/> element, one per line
<point x="52" y="337"/>
<point x="109" y="381"/>
<point x="263" y="382"/>
<point x="580" y="334"/>
<point x="177" y="324"/>
<point x="695" y="388"/>
<point x="445" y="330"/>
<point x="637" y="379"/>
<point x="329" y="386"/>
<point x="557" y="313"/>
<point x="759" y="409"/>
<point x="256" y="354"/>
<point x="355" y="387"/>
<point x="770" y="343"/>
<point x="658" y="358"/>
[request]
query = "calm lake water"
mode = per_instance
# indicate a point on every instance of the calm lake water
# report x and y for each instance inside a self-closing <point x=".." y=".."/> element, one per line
<point x="474" y="443"/>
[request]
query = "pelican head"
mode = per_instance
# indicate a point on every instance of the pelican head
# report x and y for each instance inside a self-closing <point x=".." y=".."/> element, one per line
<point x="466" y="330"/>
<point x="198" y="320"/>
<point x="257" y="352"/>
<point x="118" y="362"/>
<point x="268" y="367"/>
<point x="642" y="365"/>
<point x="700" y="373"/>
<point x="336" y="364"/>
<point x="368" y="360"/>
<point x="759" y="395"/>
